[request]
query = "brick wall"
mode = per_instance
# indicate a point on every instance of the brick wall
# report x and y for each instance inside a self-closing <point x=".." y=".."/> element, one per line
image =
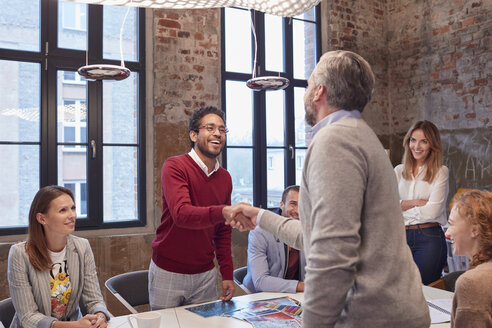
<point x="359" y="26"/>
<point x="440" y="63"/>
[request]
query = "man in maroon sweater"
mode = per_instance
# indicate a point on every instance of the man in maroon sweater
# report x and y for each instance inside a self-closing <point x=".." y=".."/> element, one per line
<point x="195" y="189"/>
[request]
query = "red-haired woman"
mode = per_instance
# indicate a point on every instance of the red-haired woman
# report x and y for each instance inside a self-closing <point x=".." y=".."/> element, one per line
<point x="53" y="272"/>
<point x="470" y="230"/>
<point x="423" y="187"/>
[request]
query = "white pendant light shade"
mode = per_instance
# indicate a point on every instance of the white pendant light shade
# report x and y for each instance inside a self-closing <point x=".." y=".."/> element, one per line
<point x="286" y="8"/>
<point x="104" y="72"/>
<point x="268" y="83"/>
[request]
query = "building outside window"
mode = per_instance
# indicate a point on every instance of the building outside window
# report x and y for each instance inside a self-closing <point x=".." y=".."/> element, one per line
<point x="266" y="144"/>
<point x="58" y="128"/>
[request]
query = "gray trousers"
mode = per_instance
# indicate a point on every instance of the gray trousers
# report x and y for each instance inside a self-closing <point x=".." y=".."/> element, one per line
<point x="170" y="289"/>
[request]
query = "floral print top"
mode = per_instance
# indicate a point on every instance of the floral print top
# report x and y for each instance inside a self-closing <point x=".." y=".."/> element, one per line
<point x="59" y="284"/>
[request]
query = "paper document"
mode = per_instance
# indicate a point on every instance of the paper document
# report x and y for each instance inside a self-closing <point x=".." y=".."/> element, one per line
<point x="440" y="310"/>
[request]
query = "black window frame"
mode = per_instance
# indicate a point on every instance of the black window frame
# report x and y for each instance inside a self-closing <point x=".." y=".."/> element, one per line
<point x="52" y="59"/>
<point x="259" y="146"/>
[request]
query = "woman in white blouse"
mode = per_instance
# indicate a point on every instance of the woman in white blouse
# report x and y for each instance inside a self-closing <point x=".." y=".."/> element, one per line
<point x="423" y="187"/>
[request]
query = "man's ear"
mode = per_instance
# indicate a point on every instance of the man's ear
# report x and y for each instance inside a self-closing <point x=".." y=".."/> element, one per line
<point x="41" y="218"/>
<point x="193" y="135"/>
<point x="282" y="206"/>
<point x="319" y="92"/>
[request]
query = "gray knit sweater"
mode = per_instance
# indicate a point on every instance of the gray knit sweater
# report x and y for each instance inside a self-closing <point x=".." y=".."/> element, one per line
<point x="360" y="272"/>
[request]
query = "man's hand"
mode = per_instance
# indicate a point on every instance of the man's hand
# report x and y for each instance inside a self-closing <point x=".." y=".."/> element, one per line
<point x="245" y="210"/>
<point x="235" y="217"/>
<point x="228" y="289"/>
<point x="300" y="286"/>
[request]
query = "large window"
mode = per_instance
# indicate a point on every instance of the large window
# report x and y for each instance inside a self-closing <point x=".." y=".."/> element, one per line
<point x="58" y="128"/>
<point x="266" y="143"/>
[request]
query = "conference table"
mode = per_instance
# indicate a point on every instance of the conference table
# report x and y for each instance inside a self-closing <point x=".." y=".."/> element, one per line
<point x="179" y="317"/>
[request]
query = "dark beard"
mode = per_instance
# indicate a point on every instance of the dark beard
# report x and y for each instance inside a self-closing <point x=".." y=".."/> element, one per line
<point x="310" y="118"/>
<point x="206" y="153"/>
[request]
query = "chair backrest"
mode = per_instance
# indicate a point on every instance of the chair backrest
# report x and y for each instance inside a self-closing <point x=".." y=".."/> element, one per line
<point x="450" y="279"/>
<point x="7" y="312"/>
<point x="239" y="275"/>
<point x="131" y="288"/>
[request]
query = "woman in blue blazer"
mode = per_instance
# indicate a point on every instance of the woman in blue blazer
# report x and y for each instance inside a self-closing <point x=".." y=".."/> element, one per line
<point x="53" y="272"/>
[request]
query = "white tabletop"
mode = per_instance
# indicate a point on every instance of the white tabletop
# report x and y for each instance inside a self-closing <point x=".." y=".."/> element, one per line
<point x="181" y="318"/>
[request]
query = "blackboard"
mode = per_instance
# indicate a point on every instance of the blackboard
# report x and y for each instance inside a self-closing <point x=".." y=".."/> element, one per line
<point x="468" y="155"/>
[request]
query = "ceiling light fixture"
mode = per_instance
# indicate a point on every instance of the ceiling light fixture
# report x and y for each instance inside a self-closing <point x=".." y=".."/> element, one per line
<point x="286" y="8"/>
<point x="106" y="71"/>
<point x="264" y="83"/>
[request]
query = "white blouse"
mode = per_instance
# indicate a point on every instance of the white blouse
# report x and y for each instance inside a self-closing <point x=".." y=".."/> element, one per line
<point x="436" y="193"/>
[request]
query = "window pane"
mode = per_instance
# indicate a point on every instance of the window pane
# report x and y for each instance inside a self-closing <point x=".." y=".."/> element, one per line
<point x="20" y="105"/>
<point x="274" y="43"/>
<point x="72" y="111"/>
<point x="240" y="166"/>
<point x="275" y="176"/>
<point x="120" y="110"/>
<point x="112" y="19"/>
<point x="299" y="112"/>
<point x="120" y="186"/>
<point x="304" y="41"/>
<point x="20" y="25"/>
<point x="238" y="40"/>
<point x="308" y="15"/>
<point x="72" y="173"/>
<point x="275" y="118"/>
<point x="19" y="182"/>
<point x="300" y="156"/>
<point x="239" y="109"/>
<point x="72" y="25"/>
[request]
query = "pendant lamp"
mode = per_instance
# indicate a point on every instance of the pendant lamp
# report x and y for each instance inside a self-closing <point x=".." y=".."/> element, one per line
<point x="264" y="83"/>
<point x="105" y="71"/>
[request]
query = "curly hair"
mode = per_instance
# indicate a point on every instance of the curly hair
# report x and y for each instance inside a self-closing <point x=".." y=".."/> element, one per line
<point x="475" y="206"/>
<point x="196" y="118"/>
<point x="433" y="162"/>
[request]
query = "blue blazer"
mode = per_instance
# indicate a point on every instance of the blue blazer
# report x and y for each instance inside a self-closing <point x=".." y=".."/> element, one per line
<point x="30" y="288"/>
<point x="267" y="264"/>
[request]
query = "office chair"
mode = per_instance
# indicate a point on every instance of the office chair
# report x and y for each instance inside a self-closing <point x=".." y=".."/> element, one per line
<point x="7" y="312"/>
<point x="239" y="275"/>
<point x="447" y="282"/>
<point x="130" y="288"/>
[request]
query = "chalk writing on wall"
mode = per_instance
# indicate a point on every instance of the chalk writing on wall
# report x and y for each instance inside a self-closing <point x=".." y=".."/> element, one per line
<point x="468" y="155"/>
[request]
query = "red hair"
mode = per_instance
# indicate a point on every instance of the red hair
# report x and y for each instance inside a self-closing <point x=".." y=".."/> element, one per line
<point x="475" y="207"/>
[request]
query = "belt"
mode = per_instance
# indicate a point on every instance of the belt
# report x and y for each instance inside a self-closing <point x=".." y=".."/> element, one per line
<point x="421" y="226"/>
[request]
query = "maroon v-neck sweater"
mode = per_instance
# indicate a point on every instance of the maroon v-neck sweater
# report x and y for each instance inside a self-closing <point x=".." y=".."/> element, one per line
<point x="192" y="230"/>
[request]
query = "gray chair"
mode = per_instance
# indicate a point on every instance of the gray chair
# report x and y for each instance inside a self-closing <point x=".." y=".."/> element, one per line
<point x="7" y="312"/>
<point x="447" y="282"/>
<point x="131" y="288"/>
<point x="239" y="275"/>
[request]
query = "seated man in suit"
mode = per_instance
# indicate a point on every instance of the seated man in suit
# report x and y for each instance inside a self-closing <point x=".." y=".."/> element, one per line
<point x="272" y="265"/>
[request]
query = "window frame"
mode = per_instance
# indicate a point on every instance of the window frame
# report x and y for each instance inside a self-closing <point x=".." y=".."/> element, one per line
<point x="53" y="59"/>
<point x="259" y="146"/>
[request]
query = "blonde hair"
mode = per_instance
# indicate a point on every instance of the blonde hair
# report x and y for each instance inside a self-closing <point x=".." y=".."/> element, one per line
<point x="475" y="207"/>
<point x="433" y="162"/>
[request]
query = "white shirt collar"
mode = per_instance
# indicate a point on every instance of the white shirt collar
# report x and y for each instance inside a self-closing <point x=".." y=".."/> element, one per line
<point x="202" y="165"/>
<point x="330" y="119"/>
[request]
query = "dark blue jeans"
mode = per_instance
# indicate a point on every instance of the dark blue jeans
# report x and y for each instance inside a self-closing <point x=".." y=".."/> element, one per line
<point x="429" y="251"/>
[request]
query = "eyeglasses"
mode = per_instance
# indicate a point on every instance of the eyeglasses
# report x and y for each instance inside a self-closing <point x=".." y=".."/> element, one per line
<point x="212" y="127"/>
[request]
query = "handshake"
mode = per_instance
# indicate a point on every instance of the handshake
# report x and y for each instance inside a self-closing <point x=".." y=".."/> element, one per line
<point x="241" y="216"/>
